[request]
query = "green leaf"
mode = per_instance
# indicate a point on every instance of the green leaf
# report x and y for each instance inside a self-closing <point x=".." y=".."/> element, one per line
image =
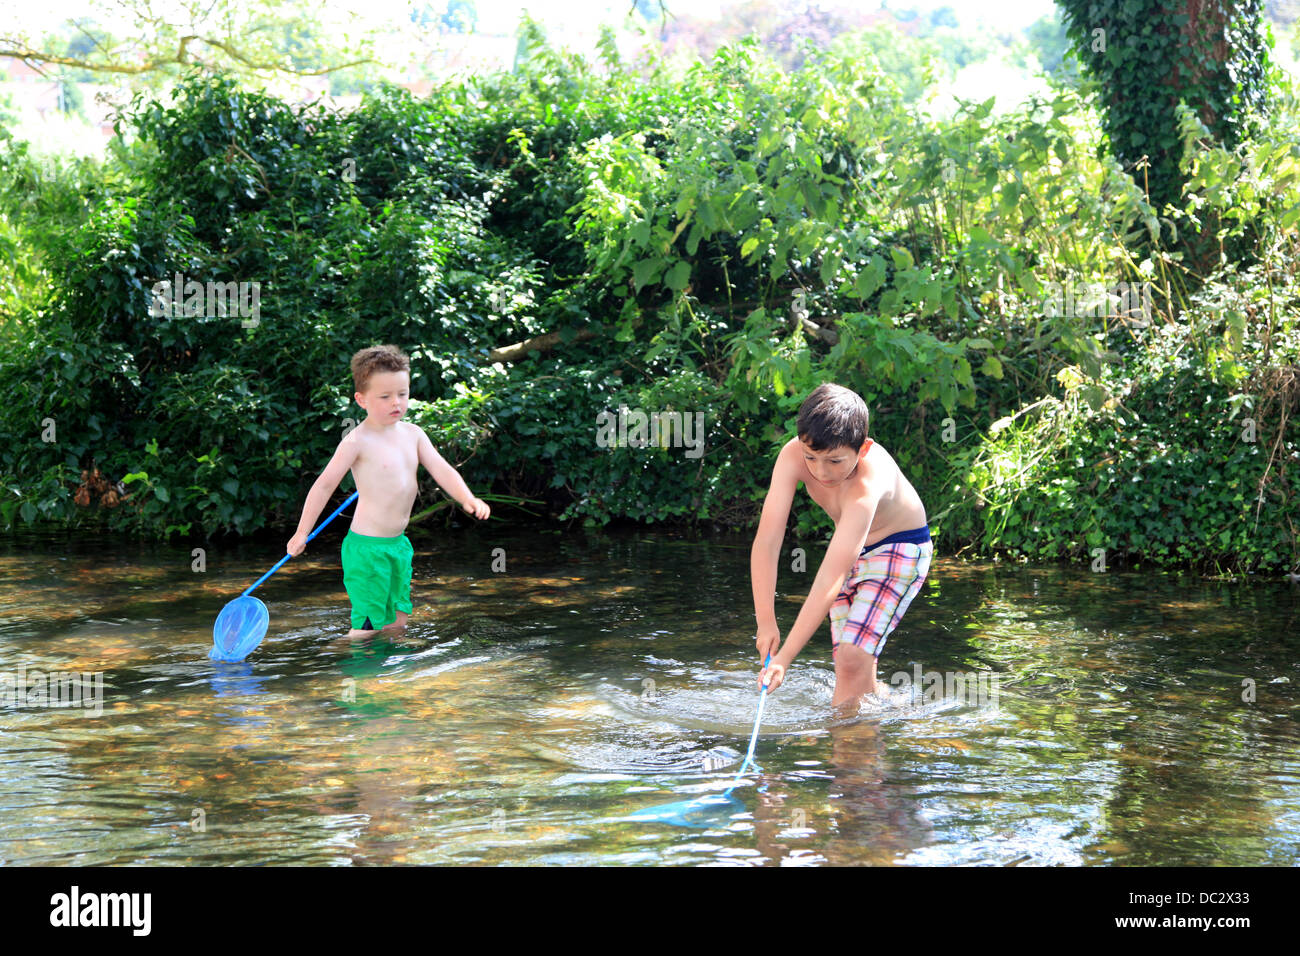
<point x="686" y="201"/>
<point x="1007" y="199"/>
<point x="709" y="216"/>
<point x="902" y="258"/>
<point x="678" y="276"/>
<point x="871" y="278"/>
<point x="888" y="304"/>
<point x="830" y="267"/>
<point x="1094" y="396"/>
<point x="962" y="373"/>
<point x="1091" y="366"/>
<point x="644" y="272"/>
<point x="1290" y="217"/>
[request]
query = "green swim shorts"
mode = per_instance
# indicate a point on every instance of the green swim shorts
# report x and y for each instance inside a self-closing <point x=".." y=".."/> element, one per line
<point x="377" y="577"/>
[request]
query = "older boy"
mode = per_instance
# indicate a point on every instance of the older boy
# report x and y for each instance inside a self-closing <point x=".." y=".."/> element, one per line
<point x="383" y="453"/>
<point x="881" y="544"/>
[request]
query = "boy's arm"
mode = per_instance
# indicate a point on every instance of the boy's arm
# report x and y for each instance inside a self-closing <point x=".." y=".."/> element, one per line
<point x="319" y="496"/>
<point x="766" y="552"/>
<point x="448" y="478"/>
<point x="846" y="544"/>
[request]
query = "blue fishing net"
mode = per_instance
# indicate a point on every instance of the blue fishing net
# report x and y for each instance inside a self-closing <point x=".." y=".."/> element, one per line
<point x="239" y="628"/>
<point x="701" y="812"/>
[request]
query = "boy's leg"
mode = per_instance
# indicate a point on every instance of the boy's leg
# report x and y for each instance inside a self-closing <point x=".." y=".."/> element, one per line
<point x="402" y="553"/>
<point x="855" y="670"/>
<point x="855" y="675"/>
<point x="883" y="583"/>
<point x="366" y="574"/>
<point x="367" y="627"/>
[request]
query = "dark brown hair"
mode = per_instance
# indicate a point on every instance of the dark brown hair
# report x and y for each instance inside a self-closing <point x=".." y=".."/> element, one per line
<point x="377" y="358"/>
<point x="833" y="417"/>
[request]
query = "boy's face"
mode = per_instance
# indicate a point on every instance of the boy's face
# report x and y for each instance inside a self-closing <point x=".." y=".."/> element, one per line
<point x="831" y="466"/>
<point x="386" y="396"/>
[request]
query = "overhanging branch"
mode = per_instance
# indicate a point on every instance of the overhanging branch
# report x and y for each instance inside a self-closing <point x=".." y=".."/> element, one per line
<point x="181" y="57"/>
<point x="538" y="343"/>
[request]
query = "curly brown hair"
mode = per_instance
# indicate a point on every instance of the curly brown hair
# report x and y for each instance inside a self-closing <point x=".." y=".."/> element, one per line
<point x="377" y="358"/>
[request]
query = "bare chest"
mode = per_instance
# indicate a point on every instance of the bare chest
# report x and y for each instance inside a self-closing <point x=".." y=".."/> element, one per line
<point x="392" y="462"/>
<point x="830" y="499"/>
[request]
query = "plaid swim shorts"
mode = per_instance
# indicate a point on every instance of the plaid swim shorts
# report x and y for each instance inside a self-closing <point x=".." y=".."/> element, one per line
<point x="879" y="589"/>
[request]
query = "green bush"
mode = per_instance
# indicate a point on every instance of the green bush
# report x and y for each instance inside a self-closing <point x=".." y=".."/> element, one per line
<point x="716" y="242"/>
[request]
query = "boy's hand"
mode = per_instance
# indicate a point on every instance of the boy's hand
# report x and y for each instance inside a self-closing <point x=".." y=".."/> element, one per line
<point x="477" y="507"/>
<point x="296" y="544"/>
<point x="773" y="675"/>
<point x="768" y="640"/>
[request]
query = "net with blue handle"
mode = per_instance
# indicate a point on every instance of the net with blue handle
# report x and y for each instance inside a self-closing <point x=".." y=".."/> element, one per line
<point x="239" y="629"/>
<point x="242" y="623"/>
<point x="698" y="812"/>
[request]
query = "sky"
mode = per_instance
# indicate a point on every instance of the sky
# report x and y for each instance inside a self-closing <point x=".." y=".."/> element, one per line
<point x="556" y="14"/>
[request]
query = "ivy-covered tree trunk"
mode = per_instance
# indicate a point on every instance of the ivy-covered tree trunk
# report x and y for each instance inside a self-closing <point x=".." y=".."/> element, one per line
<point x="1150" y="54"/>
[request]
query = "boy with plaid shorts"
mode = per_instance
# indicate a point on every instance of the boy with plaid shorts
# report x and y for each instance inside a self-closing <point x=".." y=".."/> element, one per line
<point x="878" y="557"/>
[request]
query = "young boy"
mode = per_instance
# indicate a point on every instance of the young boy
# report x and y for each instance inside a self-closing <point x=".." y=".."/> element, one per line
<point x="881" y="543"/>
<point x="382" y="452"/>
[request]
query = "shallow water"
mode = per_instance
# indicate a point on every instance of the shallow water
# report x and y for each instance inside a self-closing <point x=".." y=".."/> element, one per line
<point x="524" y="715"/>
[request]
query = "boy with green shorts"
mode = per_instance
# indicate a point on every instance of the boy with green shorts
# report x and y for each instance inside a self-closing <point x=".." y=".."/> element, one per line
<point x="383" y="453"/>
<point x="878" y="557"/>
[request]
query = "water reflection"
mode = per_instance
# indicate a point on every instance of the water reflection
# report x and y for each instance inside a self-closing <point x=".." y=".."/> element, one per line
<point x="523" y="716"/>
